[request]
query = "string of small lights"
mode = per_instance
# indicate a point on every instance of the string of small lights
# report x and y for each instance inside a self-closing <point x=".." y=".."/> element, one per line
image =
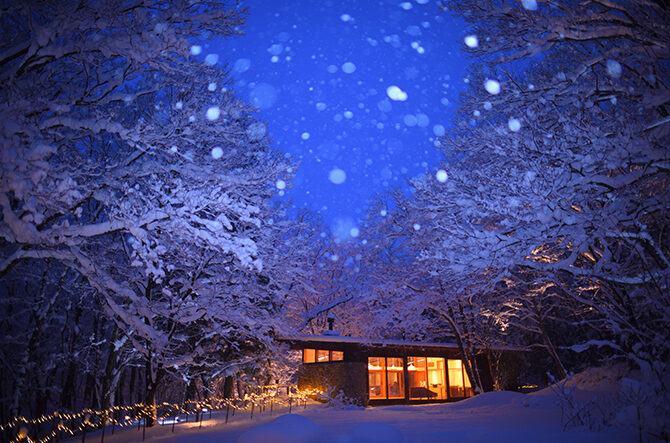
<point x="131" y="415"/>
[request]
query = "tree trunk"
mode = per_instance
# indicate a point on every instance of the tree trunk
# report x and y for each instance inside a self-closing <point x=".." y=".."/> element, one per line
<point x="562" y="373"/>
<point x="493" y="371"/>
<point x="152" y="377"/>
<point x="132" y="386"/>
<point x="467" y="358"/>
<point x="111" y="376"/>
<point x="228" y="385"/>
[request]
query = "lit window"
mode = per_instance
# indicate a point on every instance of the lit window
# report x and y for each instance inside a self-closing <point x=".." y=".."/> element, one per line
<point x="377" y="377"/>
<point x="321" y="356"/>
<point x="459" y="383"/>
<point x="308" y="356"/>
<point x="436" y="382"/>
<point x="336" y="356"/>
<point x="426" y="378"/>
<point x="395" y="378"/>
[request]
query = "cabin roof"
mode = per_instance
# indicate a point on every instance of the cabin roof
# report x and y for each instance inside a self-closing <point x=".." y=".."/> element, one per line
<point x="311" y="341"/>
<point x="306" y="339"/>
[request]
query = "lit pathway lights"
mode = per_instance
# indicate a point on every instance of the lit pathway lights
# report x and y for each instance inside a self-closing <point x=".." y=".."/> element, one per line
<point x="22" y="429"/>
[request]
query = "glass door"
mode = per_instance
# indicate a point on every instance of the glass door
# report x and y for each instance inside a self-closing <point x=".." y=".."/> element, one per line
<point x="436" y="381"/>
<point x="395" y="377"/>
<point x="459" y="383"/>
<point x="377" y="377"/>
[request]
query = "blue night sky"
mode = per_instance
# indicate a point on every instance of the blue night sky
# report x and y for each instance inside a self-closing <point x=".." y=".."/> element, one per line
<point x="319" y="73"/>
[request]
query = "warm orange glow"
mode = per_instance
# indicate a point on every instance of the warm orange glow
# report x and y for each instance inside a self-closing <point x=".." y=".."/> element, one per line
<point x="377" y="377"/>
<point x="308" y="355"/>
<point x="459" y="383"/>
<point x="395" y="377"/>
<point x="426" y="379"/>
<point x="321" y="356"/>
<point x="386" y="377"/>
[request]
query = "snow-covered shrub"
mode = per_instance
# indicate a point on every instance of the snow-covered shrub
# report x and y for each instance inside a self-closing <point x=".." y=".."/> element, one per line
<point x="613" y="396"/>
<point x="337" y="399"/>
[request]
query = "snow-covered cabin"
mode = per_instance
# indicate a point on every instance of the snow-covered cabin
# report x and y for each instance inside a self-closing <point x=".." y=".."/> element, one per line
<point x="378" y="372"/>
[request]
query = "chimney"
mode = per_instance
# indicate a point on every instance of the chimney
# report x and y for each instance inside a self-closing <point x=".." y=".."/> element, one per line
<point x="331" y="322"/>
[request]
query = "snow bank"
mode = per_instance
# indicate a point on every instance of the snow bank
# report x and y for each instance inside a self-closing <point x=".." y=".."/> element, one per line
<point x="372" y="433"/>
<point x="495" y="417"/>
<point x="496" y="398"/>
<point x="289" y="428"/>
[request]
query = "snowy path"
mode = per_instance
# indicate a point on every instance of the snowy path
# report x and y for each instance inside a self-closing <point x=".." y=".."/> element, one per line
<point x="492" y="417"/>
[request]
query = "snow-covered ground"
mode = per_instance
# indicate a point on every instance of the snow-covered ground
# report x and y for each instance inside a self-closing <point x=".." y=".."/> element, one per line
<point x="491" y="417"/>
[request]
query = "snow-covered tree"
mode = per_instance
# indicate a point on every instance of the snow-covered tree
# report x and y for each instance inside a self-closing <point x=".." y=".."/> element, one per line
<point x="128" y="160"/>
<point x="560" y="165"/>
<point x="313" y="271"/>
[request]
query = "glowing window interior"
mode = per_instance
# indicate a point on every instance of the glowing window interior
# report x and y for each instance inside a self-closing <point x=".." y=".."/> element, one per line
<point x="426" y="378"/>
<point x="321" y="355"/>
<point x="386" y="377"/>
<point x="377" y="377"/>
<point x="459" y="383"/>
<point x="308" y="355"/>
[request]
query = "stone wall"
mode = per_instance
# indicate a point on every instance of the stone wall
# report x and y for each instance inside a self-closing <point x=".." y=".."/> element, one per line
<point x="349" y="377"/>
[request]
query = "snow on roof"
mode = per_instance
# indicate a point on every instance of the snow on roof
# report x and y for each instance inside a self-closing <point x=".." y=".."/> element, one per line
<point x="365" y="341"/>
<point x="379" y="342"/>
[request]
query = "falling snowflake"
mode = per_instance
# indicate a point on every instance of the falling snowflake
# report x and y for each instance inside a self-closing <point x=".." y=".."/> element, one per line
<point x="514" y="125"/>
<point x="396" y="94"/>
<point x="256" y="131"/>
<point x="263" y="95"/>
<point x="422" y="120"/>
<point x="348" y="68"/>
<point x="492" y="87"/>
<point x="441" y="175"/>
<point x="471" y="41"/>
<point x="614" y="68"/>
<point x="531" y="5"/>
<point x="213" y="113"/>
<point x="211" y="59"/>
<point x="242" y="65"/>
<point x="217" y="153"/>
<point x="276" y="49"/>
<point x="337" y="176"/>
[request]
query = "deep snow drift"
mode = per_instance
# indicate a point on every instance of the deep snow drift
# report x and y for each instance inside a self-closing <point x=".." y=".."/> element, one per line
<point x="492" y="417"/>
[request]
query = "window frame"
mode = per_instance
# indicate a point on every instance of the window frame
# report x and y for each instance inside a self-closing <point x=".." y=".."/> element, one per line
<point x="316" y="356"/>
<point x="385" y="378"/>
